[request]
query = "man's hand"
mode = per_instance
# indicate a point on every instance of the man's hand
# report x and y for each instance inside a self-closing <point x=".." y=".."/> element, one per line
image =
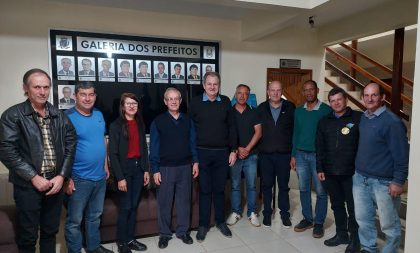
<point x="40" y="183"/>
<point x="57" y="183"/>
<point x="293" y="163"/>
<point x="395" y="190"/>
<point x="122" y="185"/>
<point x="157" y="178"/>
<point x="107" y="170"/>
<point x="243" y="153"/>
<point x="232" y="158"/>
<point x="321" y="176"/>
<point x="69" y="187"/>
<point x="195" y="170"/>
<point x="146" y="178"/>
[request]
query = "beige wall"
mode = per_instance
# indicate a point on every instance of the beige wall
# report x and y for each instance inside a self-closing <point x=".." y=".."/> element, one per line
<point x="24" y="28"/>
<point x="413" y="204"/>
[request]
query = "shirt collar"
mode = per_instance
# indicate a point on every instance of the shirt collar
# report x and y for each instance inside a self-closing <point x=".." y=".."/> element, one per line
<point x="318" y="104"/>
<point x="376" y="113"/>
<point x="206" y="98"/>
<point x="172" y="117"/>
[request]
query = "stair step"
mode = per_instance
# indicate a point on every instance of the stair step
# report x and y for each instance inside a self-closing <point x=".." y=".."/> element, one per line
<point x="355" y="94"/>
<point x="334" y="79"/>
<point x="327" y="73"/>
<point x="343" y="86"/>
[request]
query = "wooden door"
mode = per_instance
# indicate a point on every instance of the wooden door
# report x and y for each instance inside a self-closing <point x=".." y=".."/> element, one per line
<point x="292" y="81"/>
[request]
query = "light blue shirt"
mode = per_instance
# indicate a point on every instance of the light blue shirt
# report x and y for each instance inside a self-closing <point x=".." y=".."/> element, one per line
<point x="376" y="113"/>
<point x="206" y="98"/>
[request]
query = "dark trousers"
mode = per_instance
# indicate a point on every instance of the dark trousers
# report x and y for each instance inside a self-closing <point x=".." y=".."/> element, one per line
<point x="175" y="181"/>
<point x="214" y="170"/>
<point x="129" y="201"/>
<point x="36" y="211"/>
<point x="340" y="190"/>
<point x="275" y="165"/>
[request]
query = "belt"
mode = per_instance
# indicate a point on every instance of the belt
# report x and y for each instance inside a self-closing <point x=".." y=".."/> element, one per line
<point x="48" y="174"/>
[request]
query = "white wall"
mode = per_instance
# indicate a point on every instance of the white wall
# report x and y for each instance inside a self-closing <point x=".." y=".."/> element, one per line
<point x="412" y="244"/>
<point x="24" y="28"/>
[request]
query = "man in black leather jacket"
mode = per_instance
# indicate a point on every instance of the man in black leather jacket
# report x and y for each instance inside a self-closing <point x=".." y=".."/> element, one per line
<point x="336" y="147"/>
<point x="37" y="145"/>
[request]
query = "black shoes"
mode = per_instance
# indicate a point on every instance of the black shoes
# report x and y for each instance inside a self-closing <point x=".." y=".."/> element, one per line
<point x="163" y="242"/>
<point x="101" y="249"/>
<point x="201" y="233"/>
<point x="318" y="231"/>
<point x="354" y="244"/>
<point x="223" y="228"/>
<point x="303" y="225"/>
<point x="337" y="240"/>
<point x="286" y="222"/>
<point x="137" y="246"/>
<point x="123" y="248"/>
<point x="186" y="238"/>
<point x="267" y="221"/>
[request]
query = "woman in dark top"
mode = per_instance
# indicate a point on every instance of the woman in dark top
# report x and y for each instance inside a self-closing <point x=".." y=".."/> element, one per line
<point x="129" y="164"/>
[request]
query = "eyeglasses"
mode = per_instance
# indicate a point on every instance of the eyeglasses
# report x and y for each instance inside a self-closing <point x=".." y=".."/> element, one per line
<point x="173" y="99"/>
<point x="131" y="104"/>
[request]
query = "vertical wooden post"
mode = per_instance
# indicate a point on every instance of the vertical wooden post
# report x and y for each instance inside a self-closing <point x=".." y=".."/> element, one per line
<point x="354" y="60"/>
<point x="397" y="84"/>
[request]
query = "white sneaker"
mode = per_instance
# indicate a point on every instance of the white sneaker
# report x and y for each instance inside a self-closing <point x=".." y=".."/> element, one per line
<point x="233" y="218"/>
<point x="254" y="220"/>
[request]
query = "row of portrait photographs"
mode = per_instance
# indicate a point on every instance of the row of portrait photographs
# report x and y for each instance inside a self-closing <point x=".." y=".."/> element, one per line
<point x="178" y="72"/>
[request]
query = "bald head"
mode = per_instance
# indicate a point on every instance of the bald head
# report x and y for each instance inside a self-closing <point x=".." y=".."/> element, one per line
<point x="274" y="92"/>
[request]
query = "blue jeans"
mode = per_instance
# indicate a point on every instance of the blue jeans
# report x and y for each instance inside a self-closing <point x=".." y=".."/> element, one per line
<point x="249" y="167"/>
<point x="87" y="203"/>
<point x="371" y="194"/>
<point x="306" y="172"/>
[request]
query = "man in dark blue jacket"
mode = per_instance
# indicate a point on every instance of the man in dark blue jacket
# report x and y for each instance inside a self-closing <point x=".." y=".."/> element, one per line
<point x="381" y="171"/>
<point x="171" y="166"/>
<point x="336" y="146"/>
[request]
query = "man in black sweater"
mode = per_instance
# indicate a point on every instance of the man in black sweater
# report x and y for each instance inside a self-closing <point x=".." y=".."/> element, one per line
<point x="275" y="147"/>
<point x="336" y="145"/>
<point x="217" y="149"/>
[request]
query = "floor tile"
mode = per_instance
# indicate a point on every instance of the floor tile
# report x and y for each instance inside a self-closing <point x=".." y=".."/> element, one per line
<point x="240" y="249"/>
<point x="251" y="234"/>
<point x="279" y="245"/>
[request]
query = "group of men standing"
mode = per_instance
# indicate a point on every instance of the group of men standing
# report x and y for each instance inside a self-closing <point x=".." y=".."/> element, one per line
<point x="337" y="151"/>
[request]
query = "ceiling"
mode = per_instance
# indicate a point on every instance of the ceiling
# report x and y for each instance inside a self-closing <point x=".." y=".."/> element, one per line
<point x="259" y="18"/>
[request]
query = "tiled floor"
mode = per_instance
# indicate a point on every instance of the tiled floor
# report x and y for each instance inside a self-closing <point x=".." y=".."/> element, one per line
<point x="249" y="239"/>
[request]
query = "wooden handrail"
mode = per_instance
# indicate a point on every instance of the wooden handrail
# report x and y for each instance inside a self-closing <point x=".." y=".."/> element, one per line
<point x="359" y="104"/>
<point x="377" y="64"/>
<point x="368" y="74"/>
<point x="344" y="74"/>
